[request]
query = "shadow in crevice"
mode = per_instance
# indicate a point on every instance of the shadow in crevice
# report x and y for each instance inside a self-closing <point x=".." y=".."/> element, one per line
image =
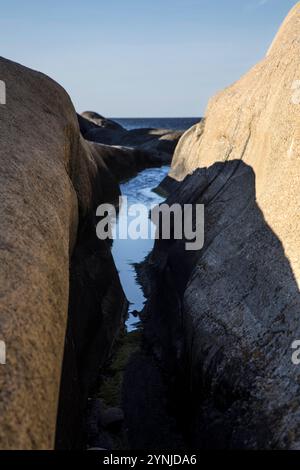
<point x="212" y="319"/>
<point x="97" y="308"/>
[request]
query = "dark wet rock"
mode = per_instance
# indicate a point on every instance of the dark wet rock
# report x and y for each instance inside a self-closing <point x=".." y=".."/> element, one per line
<point x="51" y="182"/>
<point x="100" y="121"/>
<point x="149" y="420"/>
<point x="97" y="437"/>
<point x="127" y="152"/>
<point x="105" y="136"/>
<point x="126" y="162"/>
<point x="85" y="125"/>
<point x="158" y="143"/>
<point x="167" y="186"/>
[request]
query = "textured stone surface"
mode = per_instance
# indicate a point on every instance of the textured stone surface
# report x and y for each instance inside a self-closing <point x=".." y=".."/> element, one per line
<point x="241" y="303"/>
<point x="127" y="152"/>
<point x="186" y="152"/>
<point x="158" y="144"/>
<point x="50" y="179"/>
<point x="100" y="120"/>
<point x="126" y="162"/>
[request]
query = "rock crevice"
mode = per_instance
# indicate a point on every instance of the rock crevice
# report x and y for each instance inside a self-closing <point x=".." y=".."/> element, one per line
<point x="238" y="296"/>
<point x="51" y="182"/>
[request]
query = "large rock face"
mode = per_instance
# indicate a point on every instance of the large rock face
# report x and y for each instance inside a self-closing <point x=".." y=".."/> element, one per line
<point x="241" y="302"/>
<point x="51" y="180"/>
<point x="125" y="162"/>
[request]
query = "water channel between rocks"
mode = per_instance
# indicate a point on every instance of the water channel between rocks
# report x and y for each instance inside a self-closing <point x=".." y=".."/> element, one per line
<point x="128" y="252"/>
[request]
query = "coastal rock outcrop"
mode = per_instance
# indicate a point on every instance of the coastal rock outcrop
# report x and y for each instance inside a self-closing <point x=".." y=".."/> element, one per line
<point x="157" y="145"/>
<point x="186" y="152"/>
<point x="100" y="121"/>
<point x="51" y="182"/>
<point x="237" y="300"/>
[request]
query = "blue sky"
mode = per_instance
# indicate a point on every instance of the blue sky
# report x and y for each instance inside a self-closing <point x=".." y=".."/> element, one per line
<point x="140" y="57"/>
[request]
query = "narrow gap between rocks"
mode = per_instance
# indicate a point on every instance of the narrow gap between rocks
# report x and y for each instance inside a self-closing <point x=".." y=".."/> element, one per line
<point x="135" y="405"/>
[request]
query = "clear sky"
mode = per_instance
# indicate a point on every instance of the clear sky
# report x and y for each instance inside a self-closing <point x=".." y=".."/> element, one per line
<point x="140" y="58"/>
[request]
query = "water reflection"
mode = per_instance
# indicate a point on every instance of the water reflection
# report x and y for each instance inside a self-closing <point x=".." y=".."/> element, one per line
<point x="128" y="252"/>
